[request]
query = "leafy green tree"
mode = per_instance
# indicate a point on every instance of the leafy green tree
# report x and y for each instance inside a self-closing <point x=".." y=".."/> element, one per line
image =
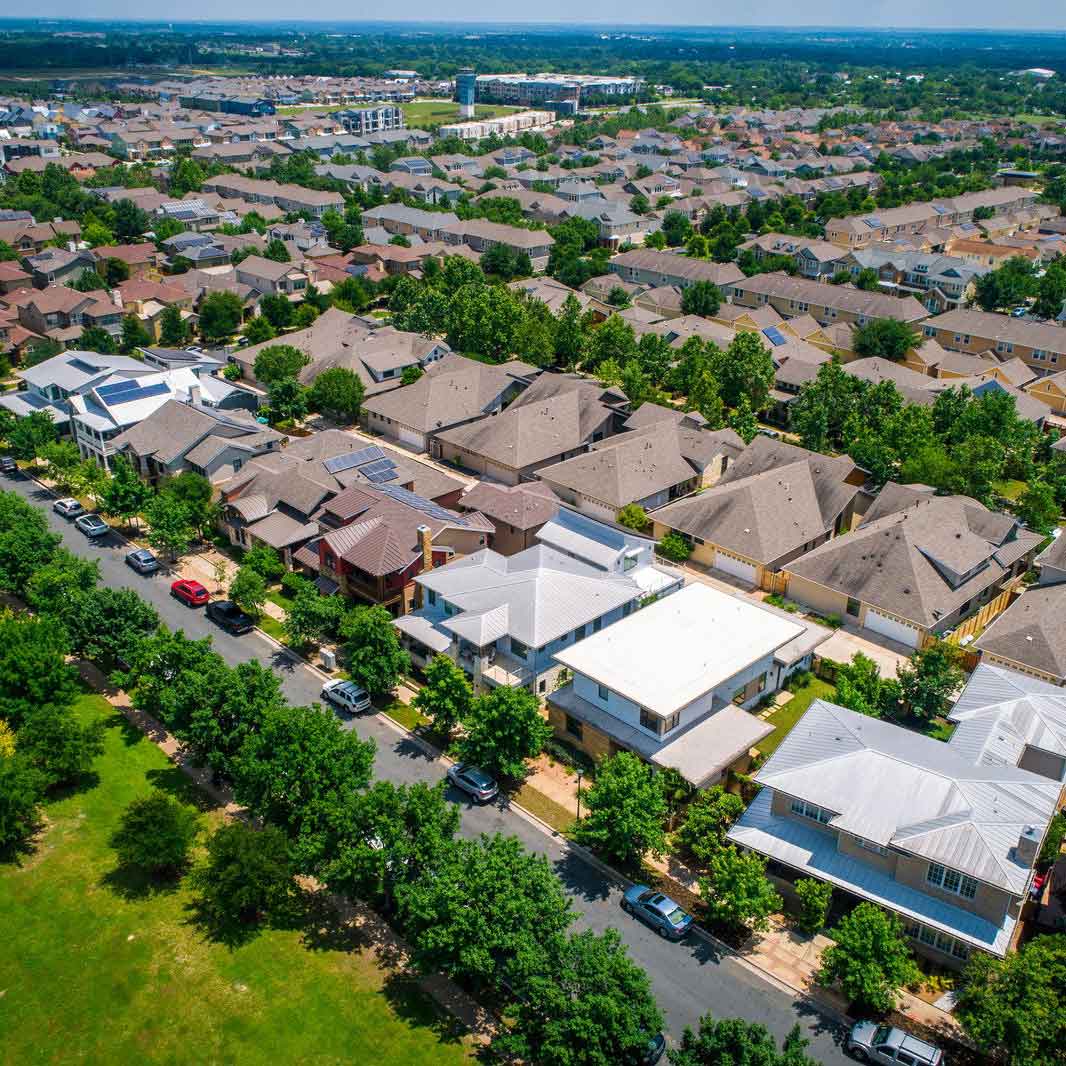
<point x="61" y="577"/>
<point x="185" y="176"/>
<point x="33" y="667"/>
<point x="569" y="334"/>
<point x="288" y="400"/>
<point x="618" y="297"/>
<point x="220" y="315"/>
<point x="277" y="251"/>
<point x="264" y="560"/>
<point x="819" y="412"/>
<point x="701" y="298"/>
<point x="870" y="958"/>
<point x="304" y="315"/>
<point x="26" y="544"/>
<point x="116" y="271"/>
<point x="592" y="1006"/>
<point x="736" y="890"/>
<point x="747" y="369"/>
<point x="885" y="338"/>
<point x="313" y="618"/>
<point x="674" y="547"/>
<point x="248" y="590"/>
<point x="930" y="679"/>
<point x="130" y="221"/>
<point x="246" y="876"/>
<point x="411" y="374"/>
<point x="134" y="334"/>
<point x="277" y="309"/>
<point x="61" y="748"/>
<point x="612" y="340"/>
<point x="88" y="281"/>
<point x="105" y="624"/>
<point x="21" y="789"/>
<point x="376" y="659"/>
<point x="278" y="362"/>
<point x="735" y="1042"/>
<point x="258" y="330"/>
<point x="504" y="728"/>
<point x="170" y="525"/>
<point x="1038" y="507"/>
<point x="300" y="759"/>
<point x="30" y="434"/>
<point x="1011" y="1008"/>
<point x="1051" y="291"/>
<point x="859" y="686"/>
<point x="744" y="422"/>
<point x="676" y="228"/>
<point x="97" y="339"/>
<point x="446" y="697"/>
<point x="156" y="834"/>
<point x="337" y="392"/>
<point x="707" y="820"/>
<point x="633" y="516"/>
<point x="815" y="898"/>
<point x="124" y="494"/>
<point x="867" y="279"/>
<point x="1006" y="286"/>
<point x="194" y="492"/>
<point x="484" y="912"/>
<point x="626" y="811"/>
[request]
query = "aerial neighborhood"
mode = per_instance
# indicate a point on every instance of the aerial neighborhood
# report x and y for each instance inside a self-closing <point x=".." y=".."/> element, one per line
<point x="680" y="479"/>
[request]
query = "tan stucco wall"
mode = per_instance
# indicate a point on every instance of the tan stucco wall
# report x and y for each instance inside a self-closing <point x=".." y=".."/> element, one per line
<point x="990" y="903"/>
<point x="823" y="600"/>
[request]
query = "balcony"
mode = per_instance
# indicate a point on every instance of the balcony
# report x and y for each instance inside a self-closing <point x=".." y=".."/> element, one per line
<point x="506" y="671"/>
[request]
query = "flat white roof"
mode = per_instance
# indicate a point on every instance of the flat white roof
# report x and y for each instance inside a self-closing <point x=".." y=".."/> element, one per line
<point x="680" y="647"/>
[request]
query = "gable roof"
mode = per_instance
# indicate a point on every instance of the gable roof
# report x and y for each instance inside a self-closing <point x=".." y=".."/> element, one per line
<point x="522" y="506"/>
<point x="1032" y="631"/>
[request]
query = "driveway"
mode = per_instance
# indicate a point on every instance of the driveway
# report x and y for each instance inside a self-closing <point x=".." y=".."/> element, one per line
<point x="846" y="641"/>
<point x="689" y="979"/>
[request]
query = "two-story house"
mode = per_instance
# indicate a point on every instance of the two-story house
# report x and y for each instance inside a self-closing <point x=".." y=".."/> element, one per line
<point x="271" y="278"/>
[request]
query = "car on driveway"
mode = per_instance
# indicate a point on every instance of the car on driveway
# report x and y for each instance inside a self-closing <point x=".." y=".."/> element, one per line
<point x="871" y="1042"/>
<point x="346" y="695"/>
<point x="190" y="592"/>
<point x="230" y="617"/>
<point x="68" y="508"/>
<point x="8" y="465"/>
<point x="93" y="526"/>
<point x="661" y="913"/>
<point x="477" y="784"/>
<point x="142" y="560"/>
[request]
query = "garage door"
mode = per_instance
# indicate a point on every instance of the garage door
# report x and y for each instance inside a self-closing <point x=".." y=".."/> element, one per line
<point x="412" y="438"/>
<point x="729" y="564"/>
<point x="891" y="628"/>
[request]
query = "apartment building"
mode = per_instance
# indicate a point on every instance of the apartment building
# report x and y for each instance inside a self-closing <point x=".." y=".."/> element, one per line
<point x="1041" y="345"/>
<point x="645" y="266"/>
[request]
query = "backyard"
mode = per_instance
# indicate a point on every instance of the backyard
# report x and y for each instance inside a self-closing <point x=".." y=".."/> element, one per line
<point x="786" y="716"/>
<point x="98" y="969"/>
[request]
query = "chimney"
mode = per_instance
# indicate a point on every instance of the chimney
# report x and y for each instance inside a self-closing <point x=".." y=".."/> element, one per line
<point x="425" y="542"/>
<point x="194" y="395"/>
<point x="1025" y="851"/>
<point x="116" y="297"/>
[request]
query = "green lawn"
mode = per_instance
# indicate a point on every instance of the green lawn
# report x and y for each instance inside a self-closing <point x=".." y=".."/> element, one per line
<point x="1011" y="489"/>
<point x="437" y="112"/>
<point x="784" y="718"/>
<point x="92" y="970"/>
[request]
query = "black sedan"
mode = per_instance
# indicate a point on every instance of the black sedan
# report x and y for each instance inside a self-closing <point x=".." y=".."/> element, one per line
<point x="230" y="617"/>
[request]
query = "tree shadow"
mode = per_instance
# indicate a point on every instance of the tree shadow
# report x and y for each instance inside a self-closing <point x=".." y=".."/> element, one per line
<point x="15" y="851"/>
<point x="581" y="878"/>
<point x="130" y="734"/>
<point x="327" y="927"/>
<point x="234" y="931"/>
<point x="175" y="782"/>
<point x="414" y="1005"/>
<point x="819" y="1023"/>
<point x="411" y="748"/>
<point x="132" y="883"/>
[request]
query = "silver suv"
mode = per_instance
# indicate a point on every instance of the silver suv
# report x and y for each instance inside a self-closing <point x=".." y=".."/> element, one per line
<point x="346" y="695"/>
<point x="870" y="1042"/>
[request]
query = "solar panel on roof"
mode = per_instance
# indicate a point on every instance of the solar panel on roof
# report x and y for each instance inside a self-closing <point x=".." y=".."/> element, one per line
<point x="380" y="476"/>
<point x="117" y="387"/>
<point x="420" y="503"/>
<point x="356" y="458"/>
<point x="379" y="466"/>
<point x="873" y="223"/>
<point x="774" y="336"/>
<point x="141" y="394"/>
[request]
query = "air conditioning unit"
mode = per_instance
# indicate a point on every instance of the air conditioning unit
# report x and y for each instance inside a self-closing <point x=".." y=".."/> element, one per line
<point x="329" y="659"/>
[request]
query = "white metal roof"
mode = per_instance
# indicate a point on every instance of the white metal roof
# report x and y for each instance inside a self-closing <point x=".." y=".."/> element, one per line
<point x="679" y="648"/>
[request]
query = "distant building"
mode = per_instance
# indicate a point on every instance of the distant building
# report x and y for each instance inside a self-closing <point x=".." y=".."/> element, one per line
<point x="466" y="91"/>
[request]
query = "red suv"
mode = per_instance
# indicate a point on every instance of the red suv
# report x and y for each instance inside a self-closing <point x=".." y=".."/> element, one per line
<point x="191" y="593"/>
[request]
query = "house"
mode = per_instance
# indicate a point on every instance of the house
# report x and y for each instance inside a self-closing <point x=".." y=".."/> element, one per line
<point x="773" y="503"/>
<point x="1030" y="636"/>
<point x="651" y="268"/>
<point x="557" y="417"/>
<point x="917" y="566"/>
<point x="481" y="235"/>
<point x="517" y="512"/>
<point x="142" y="259"/>
<point x="453" y="391"/>
<point x="26" y="236"/>
<point x="13" y="277"/>
<point x="940" y="834"/>
<point x="1042" y="345"/>
<point x="58" y="266"/>
<point x="689" y="713"/>
<point x="403" y="221"/>
<point x="374" y="540"/>
<point x="504" y="618"/>
<point x="61" y="313"/>
<point x="271" y="278"/>
<point x="209" y="441"/>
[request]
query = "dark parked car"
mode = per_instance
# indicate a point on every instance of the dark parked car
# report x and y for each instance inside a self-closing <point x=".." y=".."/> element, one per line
<point x="230" y="617"/>
<point x="93" y="526"/>
<point x="190" y="592"/>
<point x="667" y="918"/>
<point x="142" y="560"/>
<point x="474" y="782"/>
<point x="8" y="465"/>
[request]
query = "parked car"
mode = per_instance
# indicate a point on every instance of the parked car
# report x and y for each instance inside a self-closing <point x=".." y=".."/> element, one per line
<point x="230" y="617"/>
<point x="346" y="695"/>
<point x="661" y="913"/>
<point x="191" y="593"/>
<point x="870" y="1042"/>
<point x="8" y="465"/>
<point x="142" y="560"/>
<point x="477" y="784"/>
<point x="656" y="1050"/>
<point x="93" y="526"/>
<point x="68" y="508"/>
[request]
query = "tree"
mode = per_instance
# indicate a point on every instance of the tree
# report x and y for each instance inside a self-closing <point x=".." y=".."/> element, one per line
<point x="170" y="525"/>
<point x="735" y="1042"/>
<point x="300" y="759"/>
<point x="744" y="422"/>
<point x="376" y="659"/>
<point x="701" y="298"/>
<point x="504" y="727"/>
<point x="1006" y="286"/>
<point x="592" y="1006"/>
<point x="633" y="516"/>
<point x="885" y="338"/>
<point x="676" y="228"/>
<point x="57" y="745"/>
<point x="116" y="271"/>
<point x="484" y="912"/>
<point x="746" y="369"/>
<point x="867" y="279"/>
<point x="246" y="875"/>
<point x="277" y="309"/>
<point x="173" y="331"/>
<point x="736" y="890"/>
<point x="1011" y="1008"/>
<point x="194" y="492"/>
<point x="60" y="459"/>
<point x="1051" y="291"/>
<point x="186" y="175"/>
<point x="264" y="560"/>
<point x="618" y="297"/>
<point x="304" y="315"/>
<point x="155" y="834"/>
<point x="337" y="392"/>
<point x="288" y="400"/>
<point x="21" y="789"/>
<point x="446" y="697"/>
<point x="134" y="334"/>
<point x="33" y="667"/>
<point x="220" y="315"/>
<point x="31" y="434"/>
<point x="569" y="333"/>
<point x="1038" y="507"/>
<point x="674" y="547"/>
<point x="815" y="898"/>
<point x="859" y="686"/>
<point x="410" y="375"/>
<point x="707" y="819"/>
<point x="930" y="679"/>
<point x="105" y="624"/>
<point x="313" y="618"/>
<point x="97" y="339"/>
<point x="248" y="590"/>
<point x="626" y="810"/>
<point x="870" y="959"/>
<point x="124" y="494"/>
<point x="612" y="340"/>
<point x="277" y="251"/>
<point x="130" y="221"/>
<point x="88" y="281"/>
<point x="277" y="362"/>
<point x="258" y="330"/>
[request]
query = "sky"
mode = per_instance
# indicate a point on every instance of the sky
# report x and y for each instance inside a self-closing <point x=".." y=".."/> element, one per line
<point x="943" y="14"/>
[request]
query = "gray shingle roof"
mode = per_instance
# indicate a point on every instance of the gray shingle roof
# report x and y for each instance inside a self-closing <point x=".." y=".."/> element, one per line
<point x="1032" y="631"/>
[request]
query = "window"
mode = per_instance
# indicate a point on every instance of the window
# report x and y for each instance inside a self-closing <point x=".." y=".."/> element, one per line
<point x="597" y="625"/>
<point x="431" y="598"/>
<point x="951" y="881"/>
<point x="811" y="810"/>
<point x="672" y="722"/>
<point x="579" y="633"/>
<point x="573" y="727"/>
<point x="518" y="649"/>
<point x="853" y="607"/>
<point x="869" y="845"/>
<point x="601" y="691"/>
<point x="652" y="722"/>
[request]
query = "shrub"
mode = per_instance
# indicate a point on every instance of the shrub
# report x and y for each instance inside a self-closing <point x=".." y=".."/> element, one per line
<point x="815" y="897"/>
<point x="155" y="834"/>
<point x="674" y="547"/>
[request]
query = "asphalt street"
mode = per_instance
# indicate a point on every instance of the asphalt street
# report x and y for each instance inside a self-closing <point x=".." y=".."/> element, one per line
<point x="689" y="979"/>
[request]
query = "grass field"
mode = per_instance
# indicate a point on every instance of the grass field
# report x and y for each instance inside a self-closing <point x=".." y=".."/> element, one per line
<point x="436" y="112"/>
<point x="784" y="718"/>
<point x="95" y="970"/>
